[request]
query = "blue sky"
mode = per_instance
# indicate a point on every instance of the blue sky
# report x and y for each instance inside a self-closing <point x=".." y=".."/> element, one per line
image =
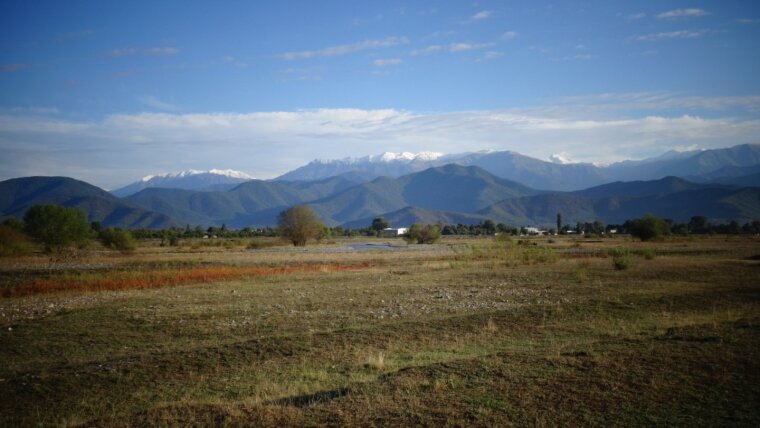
<point x="111" y="91"/>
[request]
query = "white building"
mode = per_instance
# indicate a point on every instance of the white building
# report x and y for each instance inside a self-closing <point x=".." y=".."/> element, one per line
<point x="392" y="232"/>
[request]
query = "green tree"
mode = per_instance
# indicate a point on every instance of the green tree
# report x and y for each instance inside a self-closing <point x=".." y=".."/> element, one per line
<point x="559" y="223"/>
<point x="298" y="224"/>
<point x="56" y="227"/>
<point x="648" y="228"/>
<point x="378" y="224"/>
<point x="117" y="239"/>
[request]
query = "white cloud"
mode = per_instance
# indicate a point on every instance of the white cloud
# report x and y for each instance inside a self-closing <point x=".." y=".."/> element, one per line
<point x="483" y="14"/>
<point x="682" y="13"/>
<point x="461" y="47"/>
<point x="386" y="62"/>
<point x="345" y="49"/>
<point x="427" y="50"/>
<point x="509" y="35"/>
<point x="681" y="34"/>
<point x="748" y="21"/>
<point x="118" y="149"/>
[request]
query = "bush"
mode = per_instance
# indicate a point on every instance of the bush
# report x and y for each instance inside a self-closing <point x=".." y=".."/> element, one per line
<point x="117" y="239"/>
<point x="648" y="228"/>
<point x="13" y="242"/>
<point x="621" y="259"/>
<point x="422" y="234"/>
<point x="648" y="253"/>
<point x="57" y="227"/>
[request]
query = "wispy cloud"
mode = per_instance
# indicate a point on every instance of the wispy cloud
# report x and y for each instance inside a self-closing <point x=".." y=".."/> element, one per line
<point x="682" y="13"/>
<point x="155" y="51"/>
<point x="681" y="34"/>
<point x="236" y="62"/>
<point x="658" y="101"/>
<point x="483" y="14"/>
<point x="461" y="47"/>
<point x="635" y="16"/>
<point x="509" y="35"/>
<point x="386" y="62"/>
<point x="490" y="55"/>
<point x="431" y="49"/>
<point x="345" y="49"/>
<point x="161" y="51"/>
<point x="155" y="103"/>
<point x="9" y="68"/>
<point x="748" y="21"/>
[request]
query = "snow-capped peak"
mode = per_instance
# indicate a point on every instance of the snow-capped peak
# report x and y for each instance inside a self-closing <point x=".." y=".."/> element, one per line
<point x="405" y="156"/>
<point x="560" y="159"/>
<point x="223" y="172"/>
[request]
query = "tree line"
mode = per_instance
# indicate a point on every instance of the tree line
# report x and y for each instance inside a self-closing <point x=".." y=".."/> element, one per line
<point x="56" y="228"/>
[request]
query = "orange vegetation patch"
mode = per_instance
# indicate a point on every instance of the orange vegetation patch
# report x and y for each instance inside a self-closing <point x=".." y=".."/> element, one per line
<point x="139" y="279"/>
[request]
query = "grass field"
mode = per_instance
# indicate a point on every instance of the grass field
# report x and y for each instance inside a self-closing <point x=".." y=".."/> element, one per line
<point x="544" y="332"/>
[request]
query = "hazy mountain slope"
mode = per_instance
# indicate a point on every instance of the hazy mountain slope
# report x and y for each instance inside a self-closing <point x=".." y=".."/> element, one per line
<point x="663" y="186"/>
<point x="541" y="210"/>
<point x="719" y="204"/>
<point x="458" y="188"/>
<point x="252" y="201"/>
<point x="405" y="217"/>
<point x="190" y="206"/>
<point x="18" y="195"/>
<point x="448" y="188"/>
<point x="365" y="200"/>
<point x="535" y="173"/>
<point x="698" y="163"/>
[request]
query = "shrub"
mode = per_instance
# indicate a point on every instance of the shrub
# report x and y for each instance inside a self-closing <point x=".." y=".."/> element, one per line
<point x="621" y="259"/>
<point x="648" y="228"/>
<point x="57" y="227"/>
<point x="542" y="254"/>
<point x="581" y="271"/>
<point x="13" y="242"/>
<point x="422" y="234"/>
<point x="117" y="239"/>
<point x="648" y="253"/>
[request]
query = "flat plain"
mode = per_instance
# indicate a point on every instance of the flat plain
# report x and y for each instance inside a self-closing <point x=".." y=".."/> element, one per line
<point x="466" y="332"/>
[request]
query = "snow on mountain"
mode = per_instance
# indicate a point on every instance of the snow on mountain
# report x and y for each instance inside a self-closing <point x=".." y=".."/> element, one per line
<point x="560" y="159"/>
<point x="192" y="179"/>
<point x="223" y="172"/>
<point x="386" y="157"/>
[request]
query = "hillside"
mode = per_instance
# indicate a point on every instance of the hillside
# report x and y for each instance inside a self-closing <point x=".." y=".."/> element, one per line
<point x="718" y="204"/>
<point x="18" y="195"/>
<point x="450" y="188"/>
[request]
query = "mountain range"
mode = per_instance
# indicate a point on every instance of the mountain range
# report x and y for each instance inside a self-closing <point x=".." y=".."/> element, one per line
<point x="723" y="185"/>
<point x="697" y="165"/>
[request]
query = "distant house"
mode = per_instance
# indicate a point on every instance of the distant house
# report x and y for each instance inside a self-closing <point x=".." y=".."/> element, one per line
<point x="534" y="231"/>
<point x="392" y="232"/>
